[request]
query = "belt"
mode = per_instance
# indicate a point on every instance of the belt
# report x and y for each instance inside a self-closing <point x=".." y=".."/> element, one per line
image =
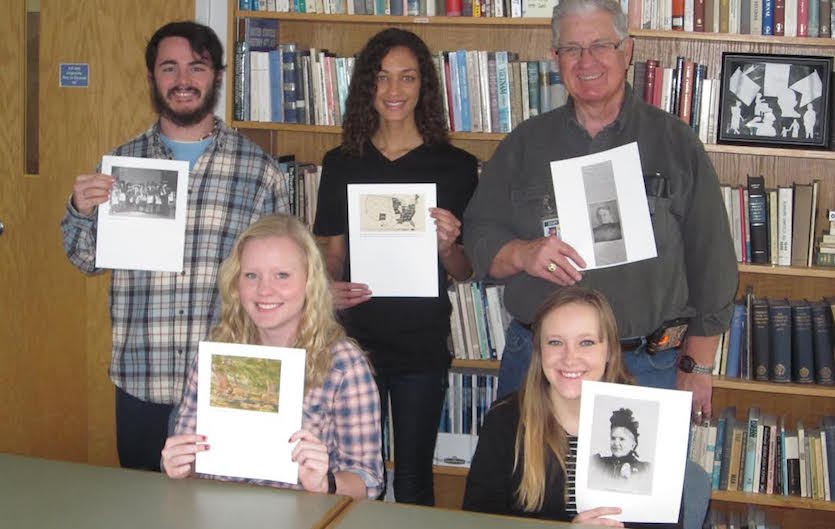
<point x="626" y="344"/>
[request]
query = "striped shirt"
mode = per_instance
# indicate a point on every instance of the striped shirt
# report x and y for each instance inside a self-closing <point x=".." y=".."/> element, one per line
<point x="158" y="318"/>
<point x="343" y="413"/>
<point x="571" y="475"/>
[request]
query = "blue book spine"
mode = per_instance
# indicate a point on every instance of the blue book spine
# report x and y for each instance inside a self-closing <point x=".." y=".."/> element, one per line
<point x="735" y="341"/>
<point x="502" y="83"/>
<point x="466" y="404"/>
<point x="718" y="452"/>
<point x="780" y="340"/>
<point x="466" y="122"/>
<point x="803" y="363"/>
<point x="456" y="90"/>
<point x="397" y="7"/>
<point x="814" y="18"/>
<point x="768" y="17"/>
<point x="276" y="88"/>
<point x="288" y="59"/>
<point x="822" y="341"/>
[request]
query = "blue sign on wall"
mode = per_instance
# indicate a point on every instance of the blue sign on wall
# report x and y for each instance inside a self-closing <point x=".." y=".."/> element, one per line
<point x="75" y="75"/>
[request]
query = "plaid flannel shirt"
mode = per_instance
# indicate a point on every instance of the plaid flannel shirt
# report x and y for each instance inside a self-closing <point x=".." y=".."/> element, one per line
<point x="158" y="318"/>
<point x="343" y="413"/>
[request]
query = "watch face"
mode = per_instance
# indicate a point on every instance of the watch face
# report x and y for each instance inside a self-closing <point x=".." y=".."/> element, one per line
<point x="686" y="364"/>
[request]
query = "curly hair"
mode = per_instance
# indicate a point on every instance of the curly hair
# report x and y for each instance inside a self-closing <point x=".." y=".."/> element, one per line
<point x="318" y="328"/>
<point x="361" y="119"/>
<point x="202" y="39"/>
<point x="538" y="429"/>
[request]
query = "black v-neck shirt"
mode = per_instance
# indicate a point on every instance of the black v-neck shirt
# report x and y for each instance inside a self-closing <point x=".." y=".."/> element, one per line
<point x="400" y="334"/>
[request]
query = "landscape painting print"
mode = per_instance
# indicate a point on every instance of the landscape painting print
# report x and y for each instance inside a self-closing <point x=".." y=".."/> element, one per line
<point x="245" y="383"/>
<point x="775" y="100"/>
<point x="392" y="213"/>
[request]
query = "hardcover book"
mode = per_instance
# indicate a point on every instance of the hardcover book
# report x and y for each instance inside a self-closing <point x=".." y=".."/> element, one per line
<point x="822" y="343"/>
<point x="803" y="365"/>
<point x="780" y="340"/>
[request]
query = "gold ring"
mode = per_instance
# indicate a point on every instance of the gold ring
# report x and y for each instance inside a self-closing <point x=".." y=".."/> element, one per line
<point x="552" y="267"/>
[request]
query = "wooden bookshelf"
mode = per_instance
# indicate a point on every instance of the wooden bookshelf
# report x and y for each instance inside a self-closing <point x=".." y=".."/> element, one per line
<point x="345" y="34"/>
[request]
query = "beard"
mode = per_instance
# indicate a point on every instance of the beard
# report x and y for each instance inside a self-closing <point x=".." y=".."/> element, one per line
<point x="184" y="119"/>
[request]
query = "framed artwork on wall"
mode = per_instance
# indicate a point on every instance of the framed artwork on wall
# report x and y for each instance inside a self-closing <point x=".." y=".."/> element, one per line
<point x="775" y="100"/>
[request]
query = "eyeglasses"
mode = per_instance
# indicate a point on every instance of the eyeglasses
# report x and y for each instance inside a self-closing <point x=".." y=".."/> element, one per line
<point x="598" y="50"/>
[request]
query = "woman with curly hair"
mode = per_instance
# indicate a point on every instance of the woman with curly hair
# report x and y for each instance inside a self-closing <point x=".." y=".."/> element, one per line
<point x="525" y="460"/>
<point x="274" y="291"/>
<point x="394" y="131"/>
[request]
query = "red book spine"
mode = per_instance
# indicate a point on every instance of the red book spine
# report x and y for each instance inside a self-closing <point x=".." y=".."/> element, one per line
<point x="634" y="14"/>
<point x="779" y="18"/>
<point x="453" y="8"/>
<point x="659" y="86"/>
<point x="802" y="18"/>
<point x="699" y="16"/>
<point x="649" y="84"/>
<point x="678" y="15"/>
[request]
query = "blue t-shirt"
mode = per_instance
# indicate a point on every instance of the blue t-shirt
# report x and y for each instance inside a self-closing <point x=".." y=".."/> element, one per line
<point x="189" y="151"/>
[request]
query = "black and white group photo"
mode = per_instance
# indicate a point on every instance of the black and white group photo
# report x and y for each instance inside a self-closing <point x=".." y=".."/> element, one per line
<point x="142" y="192"/>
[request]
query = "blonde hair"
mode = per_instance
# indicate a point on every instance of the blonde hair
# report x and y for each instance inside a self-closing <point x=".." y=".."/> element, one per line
<point x="318" y="329"/>
<point x="538" y="429"/>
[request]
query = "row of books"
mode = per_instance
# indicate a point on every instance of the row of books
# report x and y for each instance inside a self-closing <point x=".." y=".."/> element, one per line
<point x="478" y="320"/>
<point x="495" y="91"/>
<point x="779" y="340"/>
<point x="763" y="454"/>
<point x="454" y="8"/>
<point x="303" y="181"/>
<point x="684" y="90"/>
<point x="753" y="518"/>
<point x="789" y="18"/>
<point x="468" y="398"/>
<point x="774" y="226"/>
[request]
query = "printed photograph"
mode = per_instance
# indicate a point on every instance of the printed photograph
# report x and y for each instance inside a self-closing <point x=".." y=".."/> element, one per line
<point x="624" y="432"/>
<point x="604" y="214"/>
<point x="245" y="383"/>
<point x="143" y="193"/>
<point x="775" y="99"/>
<point x="392" y="213"/>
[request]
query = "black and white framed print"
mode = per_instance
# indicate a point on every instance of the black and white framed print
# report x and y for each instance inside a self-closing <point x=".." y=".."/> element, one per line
<point x="775" y="100"/>
<point x="632" y="450"/>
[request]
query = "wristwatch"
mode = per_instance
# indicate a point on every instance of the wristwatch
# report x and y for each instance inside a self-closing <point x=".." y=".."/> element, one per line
<point x="688" y="364"/>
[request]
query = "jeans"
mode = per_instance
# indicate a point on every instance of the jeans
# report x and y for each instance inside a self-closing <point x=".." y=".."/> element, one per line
<point x="518" y="346"/>
<point x="141" y="430"/>
<point x="416" y="403"/>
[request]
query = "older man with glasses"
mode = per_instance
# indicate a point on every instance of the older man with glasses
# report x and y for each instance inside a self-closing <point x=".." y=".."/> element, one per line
<point x="688" y="288"/>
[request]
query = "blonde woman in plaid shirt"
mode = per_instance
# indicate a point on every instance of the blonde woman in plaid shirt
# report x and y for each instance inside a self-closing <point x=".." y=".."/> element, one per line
<point x="274" y="291"/>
